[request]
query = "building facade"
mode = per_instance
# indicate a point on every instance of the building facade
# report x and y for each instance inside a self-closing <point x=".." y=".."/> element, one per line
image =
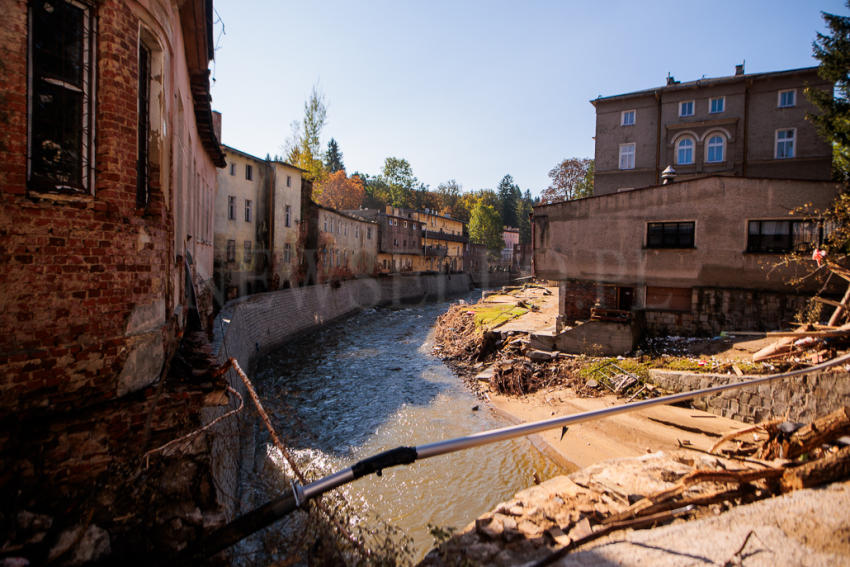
<point x="109" y="152"/>
<point x="400" y="246"/>
<point x="346" y="245"/>
<point x="443" y="238"/>
<point x="258" y="213"/>
<point x="746" y="125"/>
<point x="697" y="256"/>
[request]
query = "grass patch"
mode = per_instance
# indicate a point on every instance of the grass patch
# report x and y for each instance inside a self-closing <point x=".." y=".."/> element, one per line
<point x="630" y="365"/>
<point x="490" y="316"/>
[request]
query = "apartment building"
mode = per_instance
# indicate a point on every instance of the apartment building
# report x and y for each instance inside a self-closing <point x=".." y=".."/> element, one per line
<point x="744" y="125"/>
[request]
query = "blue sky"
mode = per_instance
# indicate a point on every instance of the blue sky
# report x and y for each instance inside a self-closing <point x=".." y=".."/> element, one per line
<point x="473" y="90"/>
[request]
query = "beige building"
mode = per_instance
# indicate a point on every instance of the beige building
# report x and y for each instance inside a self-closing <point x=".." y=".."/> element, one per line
<point x="257" y="219"/>
<point x="747" y="125"/>
<point x="400" y="238"/>
<point x="692" y="257"/>
<point x="346" y="245"/>
<point x="285" y="252"/>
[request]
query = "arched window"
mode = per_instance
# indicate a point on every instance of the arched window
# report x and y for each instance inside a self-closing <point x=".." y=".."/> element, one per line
<point x="685" y="151"/>
<point x="715" y="149"/>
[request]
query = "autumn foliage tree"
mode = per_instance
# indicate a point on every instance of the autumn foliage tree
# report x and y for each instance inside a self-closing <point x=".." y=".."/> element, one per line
<point x="340" y="192"/>
<point x="571" y="179"/>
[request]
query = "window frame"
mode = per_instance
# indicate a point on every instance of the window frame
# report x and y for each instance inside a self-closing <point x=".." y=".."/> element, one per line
<point x="232" y="168"/>
<point x="630" y="156"/>
<point x="247" y="247"/>
<point x="792" y="92"/>
<point x="289" y="181"/>
<point x="632" y="113"/>
<point x="287" y="215"/>
<point x="756" y="246"/>
<point x="231" y="207"/>
<point x="708" y="148"/>
<point x="691" y="149"/>
<point x="712" y="100"/>
<point x="682" y="108"/>
<point x="669" y="243"/>
<point x="785" y="141"/>
<point x="248" y="210"/>
<point x="287" y="253"/>
<point x="39" y="182"/>
<point x="249" y="172"/>
<point x="231" y="250"/>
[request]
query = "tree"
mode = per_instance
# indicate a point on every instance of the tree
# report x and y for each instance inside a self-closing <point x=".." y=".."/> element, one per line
<point x="340" y="192"/>
<point x="302" y="146"/>
<point x="485" y="226"/>
<point x="833" y="121"/>
<point x="399" y="178"/>
<point x="508" y="193"/>
<point x="448" y="196"/>
<point x="333" y="158"/>
<point x="571" y="179"/>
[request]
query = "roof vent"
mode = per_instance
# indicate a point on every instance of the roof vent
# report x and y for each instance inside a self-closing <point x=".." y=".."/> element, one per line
<point x="668" y="176"/>
<point x="739" y="69"/>
<point x="671" y="80"/>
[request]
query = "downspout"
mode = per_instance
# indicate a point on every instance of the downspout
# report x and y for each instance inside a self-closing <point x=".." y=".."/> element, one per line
<point x="533" y="244"/>
<point x="746" y="127"/>
<point x="658" y="138"/>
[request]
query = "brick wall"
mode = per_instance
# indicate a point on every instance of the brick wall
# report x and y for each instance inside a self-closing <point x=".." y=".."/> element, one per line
<point x="714" y="310"/>
<point x="801" y="398"/>
<point x="578" y="296"/>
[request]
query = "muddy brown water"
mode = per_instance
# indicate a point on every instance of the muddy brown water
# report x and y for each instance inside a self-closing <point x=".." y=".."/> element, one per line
<point x="369" y="383"/>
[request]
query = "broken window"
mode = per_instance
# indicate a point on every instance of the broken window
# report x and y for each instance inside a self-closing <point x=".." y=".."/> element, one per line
<point x="782" y="235"/>
<point x="670" y="235"/>
<point x="60" y="82"/>
<point x="288" y="215"/>
<point x="247" y="210"/>
<point x="231" y="250"/>
<point x="231" y="208"/>
<point x="287" y="253"/>
<point x="247" y="253"/>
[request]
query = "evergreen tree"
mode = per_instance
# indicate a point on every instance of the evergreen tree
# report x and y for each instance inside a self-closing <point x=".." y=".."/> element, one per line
<point x="509" y="193"/>
<point x="523" y="210"/>
<point x="833" y="121"/>
<point x="333" y="158"/>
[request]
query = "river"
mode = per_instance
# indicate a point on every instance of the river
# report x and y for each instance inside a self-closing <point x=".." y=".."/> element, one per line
<point x="368" y="383"/>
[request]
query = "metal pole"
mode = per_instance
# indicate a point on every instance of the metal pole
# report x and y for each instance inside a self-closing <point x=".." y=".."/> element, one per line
<point x="285" y="504"/>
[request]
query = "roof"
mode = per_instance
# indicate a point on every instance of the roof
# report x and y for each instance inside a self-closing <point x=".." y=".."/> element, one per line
<point x="705" y="82"/>
<point x="348" y="214"/>
<point x="255" y="158"/>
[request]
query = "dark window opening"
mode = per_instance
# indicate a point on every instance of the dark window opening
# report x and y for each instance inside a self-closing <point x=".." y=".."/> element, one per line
<point x="142" y="161"/>
<point x="60" y="140"/>
<point x="782" y="236"/>
<point x="670" y="235"/>
<point x="248" y="172"/>
<point x="231" y="250"/>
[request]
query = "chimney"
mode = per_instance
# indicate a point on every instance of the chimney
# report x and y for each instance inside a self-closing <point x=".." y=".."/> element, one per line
<point x="739" y="69"/>
<point x="670" y="80"/>
<point x="216" y="122"/>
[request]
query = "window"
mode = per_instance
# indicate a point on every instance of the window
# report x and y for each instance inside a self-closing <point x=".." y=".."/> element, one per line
<point x="715" y="149"/>
<point x="356" y="231"/>
<point x="232" y="169"/>
<point x="787" y="99"/>
<point x="231" y="250"/>
<point x="143" y="118"/>
<point x="686" y="108"/>
<point x="287" y="253"/>
<point x="404" y="223"/>
<point x="249" y="172"/>
<point x="627" y="156"/>
<point x="231" y="207"/>
<point x="785" y="143"/>
<point x="716" y="104"/>
<point x="325" y="224"/>
<point x="287" y="216"/>
<point x="627" y="118"/>
<point x="247" y="255"/>
<point x="247" y="210"/>
<point x="60" y="142"/>
<point x="289" y="181"/>
<point x="670" y="235"/>
<point x="685" y="151"/>
<point x="781" y="235"/>
<point x="369" y="233"/>
<point x="339" y="227"/>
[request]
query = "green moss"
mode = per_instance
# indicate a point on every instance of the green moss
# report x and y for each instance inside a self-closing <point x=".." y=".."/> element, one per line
<point x="490" y="316"/>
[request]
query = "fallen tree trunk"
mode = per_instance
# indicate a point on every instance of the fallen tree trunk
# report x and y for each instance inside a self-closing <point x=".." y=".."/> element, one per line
<point x="831" y="468"/>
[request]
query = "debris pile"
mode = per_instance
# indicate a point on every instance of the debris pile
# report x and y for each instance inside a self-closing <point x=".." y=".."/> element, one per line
<point x="545" y="522"/>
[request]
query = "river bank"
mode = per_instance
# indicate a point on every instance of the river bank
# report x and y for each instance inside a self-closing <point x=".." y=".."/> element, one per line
<point x="640" y="469"/>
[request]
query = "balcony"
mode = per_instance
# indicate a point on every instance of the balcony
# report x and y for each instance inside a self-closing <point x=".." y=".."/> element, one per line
<point x="440" y="235"/>
<point x="436" y="251"/>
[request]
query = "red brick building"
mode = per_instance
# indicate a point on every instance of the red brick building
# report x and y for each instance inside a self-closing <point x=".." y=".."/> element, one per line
<point x="109" y="156"/>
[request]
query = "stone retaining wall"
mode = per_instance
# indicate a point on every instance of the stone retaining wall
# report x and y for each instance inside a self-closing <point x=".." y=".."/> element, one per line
<point x="802" y="398"/>
<point x="252" y="326"/>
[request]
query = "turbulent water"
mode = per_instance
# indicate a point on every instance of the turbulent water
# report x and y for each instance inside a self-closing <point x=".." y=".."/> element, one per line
<point x="370" y="383"/>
